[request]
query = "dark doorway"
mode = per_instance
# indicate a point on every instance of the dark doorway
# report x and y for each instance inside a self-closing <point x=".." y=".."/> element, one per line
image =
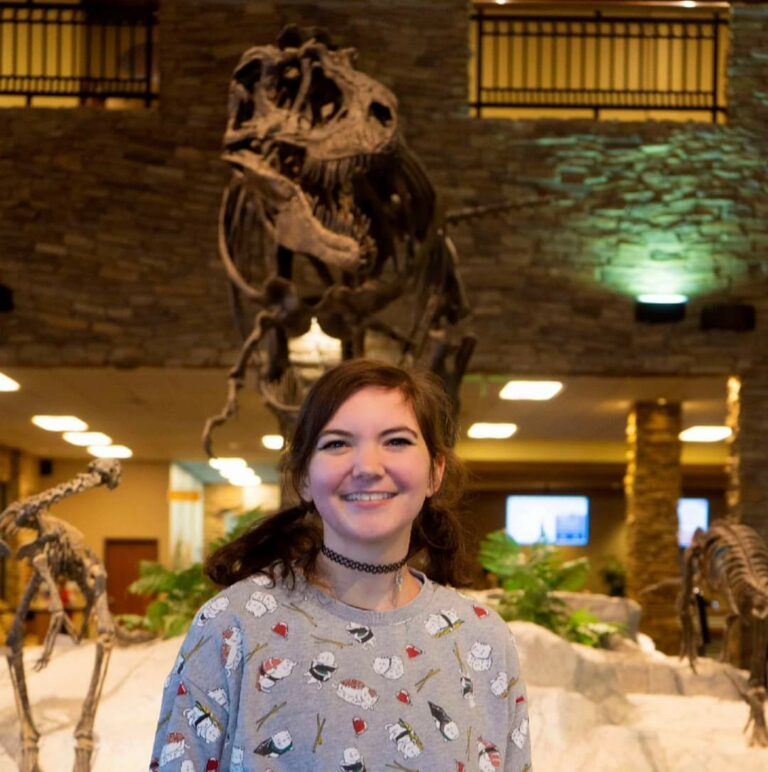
<point x="121" y="559"/>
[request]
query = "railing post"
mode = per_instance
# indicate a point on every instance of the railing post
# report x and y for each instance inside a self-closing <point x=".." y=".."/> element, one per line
<point x="148" y="57"/>
<point x="715" y="65"/>
<point x="479" y="64"/>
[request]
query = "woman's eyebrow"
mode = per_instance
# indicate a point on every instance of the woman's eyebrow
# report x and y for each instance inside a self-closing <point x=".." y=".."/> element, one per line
<point x="396" y="429"/>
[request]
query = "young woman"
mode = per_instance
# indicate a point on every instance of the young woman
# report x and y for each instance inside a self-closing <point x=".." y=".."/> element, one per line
<point x="327" y="651"/>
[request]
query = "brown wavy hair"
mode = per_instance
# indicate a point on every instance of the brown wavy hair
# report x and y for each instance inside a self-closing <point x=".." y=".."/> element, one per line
<point x="291" y="539"/>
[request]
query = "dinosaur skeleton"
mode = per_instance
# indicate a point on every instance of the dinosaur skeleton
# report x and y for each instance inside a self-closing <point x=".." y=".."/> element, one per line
<point x="731" y="560"/>
<point x="59" y="552"/>
<point x="329" y="216"/>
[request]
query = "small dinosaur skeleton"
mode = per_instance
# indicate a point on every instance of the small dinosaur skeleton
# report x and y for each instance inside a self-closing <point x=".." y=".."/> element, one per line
<point x="730" y="560"/>
<point x="330" y="216"/>
<point x="59" y="552"/>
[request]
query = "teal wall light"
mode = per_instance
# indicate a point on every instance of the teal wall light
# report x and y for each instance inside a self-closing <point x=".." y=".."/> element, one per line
<point x="660" y="308"/>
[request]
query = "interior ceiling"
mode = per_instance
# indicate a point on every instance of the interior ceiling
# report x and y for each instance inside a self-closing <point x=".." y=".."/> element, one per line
<point x="160" y="413"/>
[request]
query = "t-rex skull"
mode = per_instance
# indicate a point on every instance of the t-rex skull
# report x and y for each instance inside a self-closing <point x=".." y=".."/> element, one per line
<point x="301" y="122"/>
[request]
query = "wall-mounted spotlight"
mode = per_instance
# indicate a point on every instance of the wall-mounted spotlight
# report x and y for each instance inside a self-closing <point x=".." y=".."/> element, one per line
<point x="739" y="317"/>
<point x="660" y="308"/>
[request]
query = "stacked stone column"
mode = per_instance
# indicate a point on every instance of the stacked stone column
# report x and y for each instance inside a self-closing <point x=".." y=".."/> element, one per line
<point x="747" y="466"/>
<point x="652" y="488"/>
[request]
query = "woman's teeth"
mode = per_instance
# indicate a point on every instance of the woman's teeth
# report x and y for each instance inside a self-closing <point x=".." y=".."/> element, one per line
<point x="367" y="496"/>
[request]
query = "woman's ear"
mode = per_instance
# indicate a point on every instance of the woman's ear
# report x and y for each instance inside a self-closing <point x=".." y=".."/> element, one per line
<point x="436" y="475"/>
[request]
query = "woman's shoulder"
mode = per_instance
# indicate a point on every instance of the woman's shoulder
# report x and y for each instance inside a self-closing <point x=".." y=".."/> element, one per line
<point x="469" y="610"/>
<point x="253" y="597"/>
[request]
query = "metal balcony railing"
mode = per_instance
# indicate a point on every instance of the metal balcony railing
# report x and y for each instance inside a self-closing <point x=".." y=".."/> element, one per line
<point x="599" y="62"/>
<point x="85" y="50"/>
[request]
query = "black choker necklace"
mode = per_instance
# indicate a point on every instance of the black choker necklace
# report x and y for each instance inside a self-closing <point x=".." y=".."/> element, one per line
<point x="356" y="565"/>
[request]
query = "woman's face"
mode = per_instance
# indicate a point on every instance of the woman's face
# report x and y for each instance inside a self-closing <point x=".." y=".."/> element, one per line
<point x="370" y="473"/>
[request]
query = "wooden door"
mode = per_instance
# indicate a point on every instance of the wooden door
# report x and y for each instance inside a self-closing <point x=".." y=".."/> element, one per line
<point x="121" y="559"/>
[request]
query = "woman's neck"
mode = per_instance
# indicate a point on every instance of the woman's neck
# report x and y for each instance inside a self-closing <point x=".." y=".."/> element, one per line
<point x="374" y="592"/>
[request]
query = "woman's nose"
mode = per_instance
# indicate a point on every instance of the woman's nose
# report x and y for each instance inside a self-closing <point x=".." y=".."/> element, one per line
<point x="367" y="462"/>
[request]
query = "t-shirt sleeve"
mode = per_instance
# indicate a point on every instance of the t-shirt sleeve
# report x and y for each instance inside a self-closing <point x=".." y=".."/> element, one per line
<point x="518" y="757"/>
<point x="194" y="713"/>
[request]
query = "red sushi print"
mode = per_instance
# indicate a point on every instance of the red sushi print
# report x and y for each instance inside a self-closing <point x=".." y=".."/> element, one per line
<point x="182" y="690"/>
<point x="212" y="765"/>
<point x="519" y="700"/>
<point x="281" y="629"/>
<point x="413" y="651"/>
<point x="404" y="697"/>
<point x="359" y="725"/>
<point x="480" y="611"/>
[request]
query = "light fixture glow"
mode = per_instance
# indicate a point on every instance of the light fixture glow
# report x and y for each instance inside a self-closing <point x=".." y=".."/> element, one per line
<point x="227" y="463"/>
<point x="273" y="441"/>
<point x="315" y="348"/>
<point x="110" y="451"/>
<point x="705" y="434"/>
<point x="60" y="423"/>
<point x="491" y="431"/>
<point x="243" y="477"/>
<point x="534" y="390"/>
<point x="83" y="439"/>
<point x="662" y="298"/>
<point x="8" y="384"/>
<point x="688" y="4"/>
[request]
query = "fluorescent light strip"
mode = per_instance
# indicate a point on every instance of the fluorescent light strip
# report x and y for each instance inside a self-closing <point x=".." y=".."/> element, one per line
<point x="531" y="390"/>
<point x="8" y="384"/>
<point x="60" y="423"/>
<point x="110" y="451"/>
<point x="705" y="434"/>
<point x="491" y="431"/>
<point x="227" y="463"/>
<point x="83" y="439"/>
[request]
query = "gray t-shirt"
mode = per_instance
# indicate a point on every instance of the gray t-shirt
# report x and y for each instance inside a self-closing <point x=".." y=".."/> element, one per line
<point x="275" y="679"/>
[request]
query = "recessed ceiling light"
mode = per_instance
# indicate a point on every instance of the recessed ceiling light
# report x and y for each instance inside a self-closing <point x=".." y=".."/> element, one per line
<point x="705" y="434"/>
<point x="535" y="390"/>
<point x="59" y="423"/>
<point x="110" y="451"/>
<point x="491" y="431"/>
<point x="83" y="439"/>
<point x="8" y="384"/>
<point x="227" y="463"/>
<point x="273" y="441"/>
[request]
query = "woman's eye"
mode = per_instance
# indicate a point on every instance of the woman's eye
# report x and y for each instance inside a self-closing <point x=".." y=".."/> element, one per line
<point x="332" y="445"/>
<point x="399" y="441"/>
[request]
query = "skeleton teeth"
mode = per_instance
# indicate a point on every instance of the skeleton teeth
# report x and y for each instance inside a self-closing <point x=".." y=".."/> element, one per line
<point x="367" y="496"/>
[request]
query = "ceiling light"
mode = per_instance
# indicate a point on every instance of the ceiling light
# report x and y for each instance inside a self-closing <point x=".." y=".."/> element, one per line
<point x="110" y="451"/>
<point x="8" y="384"/>
<point x="536" y="390"/>
<point x="59" y="423"/>
<point x="83" y="439"/>
<point x="273" y="441"/>
<point x="491" y="431"/>
<point x="688" y="4"/>
<point x="705" y="434"/>
<point x="227" y="463"/>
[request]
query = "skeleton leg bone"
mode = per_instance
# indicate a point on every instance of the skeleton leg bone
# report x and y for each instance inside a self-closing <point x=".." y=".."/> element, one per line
<point x="15" y="656"/>
<point x="104" y="643"/>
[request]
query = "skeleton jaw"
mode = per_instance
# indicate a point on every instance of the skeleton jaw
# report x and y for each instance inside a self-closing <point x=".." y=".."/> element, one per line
<point x="295" y="225"/>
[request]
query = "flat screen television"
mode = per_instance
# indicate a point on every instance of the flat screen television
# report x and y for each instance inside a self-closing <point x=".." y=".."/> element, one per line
<point x="562" y="520"/>
<point x="691" y="514"/>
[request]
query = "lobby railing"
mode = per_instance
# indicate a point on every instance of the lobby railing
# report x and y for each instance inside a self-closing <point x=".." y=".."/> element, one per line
<point x="598" y="62"/>
<point x="92" y="51"/>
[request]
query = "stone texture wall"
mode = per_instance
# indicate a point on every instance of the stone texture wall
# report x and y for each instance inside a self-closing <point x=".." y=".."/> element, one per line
<point x="108" y="220"/>
<point x="652" y="487"/>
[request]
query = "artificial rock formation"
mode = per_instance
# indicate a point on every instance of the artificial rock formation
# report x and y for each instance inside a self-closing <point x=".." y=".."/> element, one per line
<point x="652" y="489"/>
